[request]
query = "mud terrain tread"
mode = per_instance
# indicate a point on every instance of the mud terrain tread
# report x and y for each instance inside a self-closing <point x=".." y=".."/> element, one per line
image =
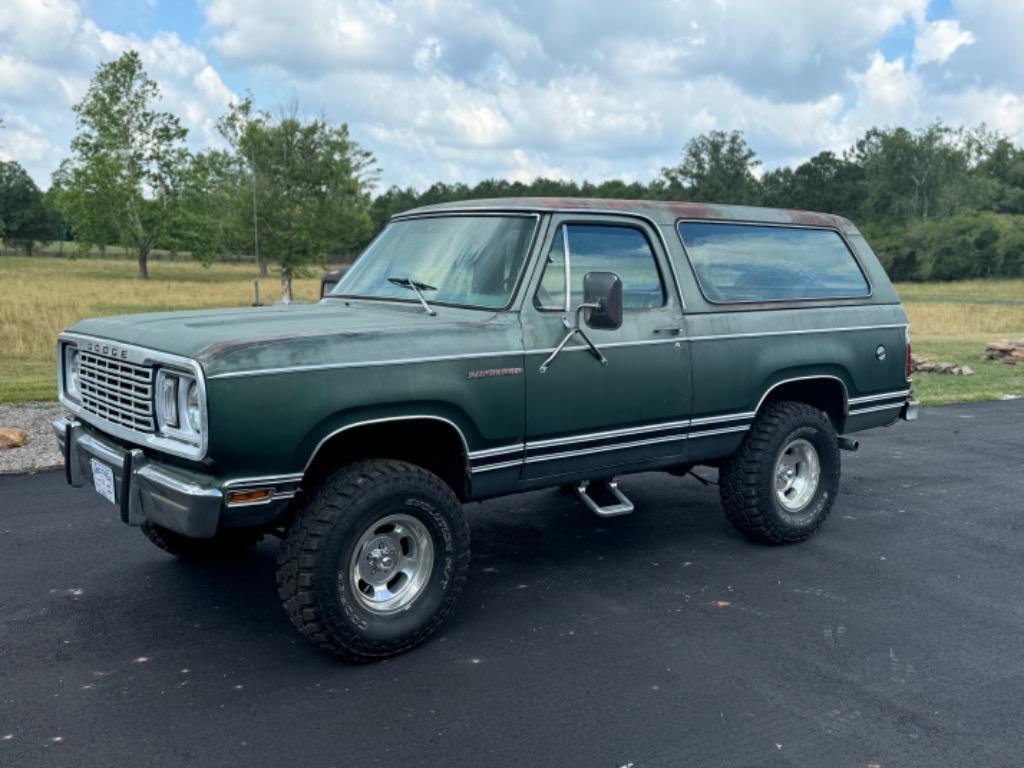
<point x="742" y="479"/>
<point x="330" y="503"/>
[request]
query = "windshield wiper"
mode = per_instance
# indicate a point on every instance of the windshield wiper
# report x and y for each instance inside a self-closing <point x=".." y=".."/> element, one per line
<point x="415" y="285"/>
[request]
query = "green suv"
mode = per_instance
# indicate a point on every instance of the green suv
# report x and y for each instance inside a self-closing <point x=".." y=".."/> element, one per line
<point x="479" y="349"/>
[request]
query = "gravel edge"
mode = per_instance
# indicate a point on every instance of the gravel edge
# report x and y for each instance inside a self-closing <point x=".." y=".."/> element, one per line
<point x="41" y="451"/>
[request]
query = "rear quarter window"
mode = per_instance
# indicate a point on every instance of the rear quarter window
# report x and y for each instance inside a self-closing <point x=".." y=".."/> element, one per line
<point x="752" y="263"/>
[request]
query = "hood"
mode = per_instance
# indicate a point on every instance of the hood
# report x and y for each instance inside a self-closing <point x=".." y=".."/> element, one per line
<point x="328" y="333"/>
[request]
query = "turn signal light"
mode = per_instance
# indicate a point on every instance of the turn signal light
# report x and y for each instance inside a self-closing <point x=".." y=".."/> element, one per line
<point x="243" y="497"/>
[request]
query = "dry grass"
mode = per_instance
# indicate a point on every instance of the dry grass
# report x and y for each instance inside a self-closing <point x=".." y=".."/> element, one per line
<point x="39" y="297"/>
<point x="952" y="322"/>
<point x="964" y="320"/>
<point x="979" y="291"/>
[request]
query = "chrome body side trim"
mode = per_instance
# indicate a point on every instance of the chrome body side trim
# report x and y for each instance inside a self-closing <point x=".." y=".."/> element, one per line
<point x="605" y="448"/>
<point x="249" y="482"/>
<point x="540" y="351"/>
<point x="500" y="465"/>
<point x="681" y="432"/>
<point x="801" y="332"/>
<point x="725" y="431"/>
<point x="716" y="419"/>
<point x="872" y="409"/>
<point x="512" y="448"/>
<point x="884" y="396"/>
<point x="589" y="436"/>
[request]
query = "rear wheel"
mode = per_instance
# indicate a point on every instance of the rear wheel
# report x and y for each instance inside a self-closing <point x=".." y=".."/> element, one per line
<point x="375" y="561"/>
<point x="780" y="485"/>
<point x="228" y="544"/>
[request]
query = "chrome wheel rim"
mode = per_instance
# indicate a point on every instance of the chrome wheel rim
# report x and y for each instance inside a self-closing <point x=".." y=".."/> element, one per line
<point x="797" y="474"/>
<point x="391" y="564"/>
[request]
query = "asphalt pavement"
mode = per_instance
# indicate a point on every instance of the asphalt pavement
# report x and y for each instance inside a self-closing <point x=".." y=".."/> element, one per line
<point x="894" y="637"/>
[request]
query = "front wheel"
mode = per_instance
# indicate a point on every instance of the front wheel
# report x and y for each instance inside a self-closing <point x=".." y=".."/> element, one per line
<point x="780" y="485"/>
<point x="375" y="561"/>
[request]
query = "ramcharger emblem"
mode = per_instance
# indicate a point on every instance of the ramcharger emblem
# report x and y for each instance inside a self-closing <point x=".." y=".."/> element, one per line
<point x="491" y="372"/>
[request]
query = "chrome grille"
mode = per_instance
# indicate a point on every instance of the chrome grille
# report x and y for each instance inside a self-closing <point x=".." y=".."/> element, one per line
<point x="120" y="392"/>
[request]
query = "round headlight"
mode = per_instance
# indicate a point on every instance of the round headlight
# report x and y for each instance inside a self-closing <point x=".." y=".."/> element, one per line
<point x="71" y="366"/>
<point x="192" y="407"/>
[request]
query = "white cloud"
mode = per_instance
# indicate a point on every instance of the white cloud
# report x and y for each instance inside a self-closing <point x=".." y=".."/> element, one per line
<point x="458" y="90"/>
<point x="938" y="40"/>
<point x="49" y="53"/>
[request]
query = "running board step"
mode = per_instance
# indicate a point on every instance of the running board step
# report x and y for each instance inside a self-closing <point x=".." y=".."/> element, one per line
<point x="607" y="490"/>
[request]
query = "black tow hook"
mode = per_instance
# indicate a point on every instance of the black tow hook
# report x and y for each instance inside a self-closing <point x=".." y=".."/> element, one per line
<point x="848" y="444"/>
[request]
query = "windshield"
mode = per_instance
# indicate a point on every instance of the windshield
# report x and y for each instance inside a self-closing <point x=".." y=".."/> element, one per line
<point x="470" y="260"/>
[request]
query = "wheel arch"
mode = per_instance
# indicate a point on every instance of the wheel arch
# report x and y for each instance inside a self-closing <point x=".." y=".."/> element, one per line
<point x="436" y="442"/>
<point x="827" y="392"/>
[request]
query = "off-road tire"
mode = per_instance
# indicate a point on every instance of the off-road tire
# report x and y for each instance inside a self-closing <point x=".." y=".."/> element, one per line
<point x="229" y="544"/>
<point x="313" y="561"/>
<point x="747" y="483"/>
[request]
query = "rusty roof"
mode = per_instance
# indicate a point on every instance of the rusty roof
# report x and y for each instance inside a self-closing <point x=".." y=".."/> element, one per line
<point x="664" y="213"/>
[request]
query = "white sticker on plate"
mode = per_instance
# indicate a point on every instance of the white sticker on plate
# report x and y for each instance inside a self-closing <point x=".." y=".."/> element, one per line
<point x="103" y="480"/>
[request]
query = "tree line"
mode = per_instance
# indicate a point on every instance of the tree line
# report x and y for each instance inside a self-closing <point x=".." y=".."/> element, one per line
<point x="939" y="203"/>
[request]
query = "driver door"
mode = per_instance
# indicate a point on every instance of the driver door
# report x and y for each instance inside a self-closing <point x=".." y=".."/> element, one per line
<point x="582" y="416"/>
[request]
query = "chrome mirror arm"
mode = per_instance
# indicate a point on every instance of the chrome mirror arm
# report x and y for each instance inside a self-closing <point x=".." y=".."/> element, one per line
<point x="573" y="330"/>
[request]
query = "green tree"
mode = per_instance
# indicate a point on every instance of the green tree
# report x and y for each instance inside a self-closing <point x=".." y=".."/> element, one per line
<point x="716" y="167"/>
<point x="1000" y="163"/>
<point x="825" y="183"/>
<point x="311" y="184"/>
<point x="916" y="175"/>
<point x="210" y="218"/>
<point x="128" y="160"/>
<point x="25" y="218"/>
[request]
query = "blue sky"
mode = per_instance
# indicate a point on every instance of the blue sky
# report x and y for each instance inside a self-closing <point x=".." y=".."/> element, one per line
<point x="459" y="90"/>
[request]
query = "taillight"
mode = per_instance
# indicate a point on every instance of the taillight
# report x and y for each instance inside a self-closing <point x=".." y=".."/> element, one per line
<point x="910" y="362"/>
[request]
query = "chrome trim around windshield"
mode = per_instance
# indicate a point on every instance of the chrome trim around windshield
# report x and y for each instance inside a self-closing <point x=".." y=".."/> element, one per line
<point x="548" y="210"/>
<point x="567" y="265"/>
<point x="513" y="294"/>
<point x="141" y="356"/>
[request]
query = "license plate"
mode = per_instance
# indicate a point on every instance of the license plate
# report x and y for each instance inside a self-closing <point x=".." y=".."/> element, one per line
<point x="103" y="480"/>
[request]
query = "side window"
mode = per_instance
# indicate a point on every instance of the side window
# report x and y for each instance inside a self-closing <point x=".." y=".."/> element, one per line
<point x="599" y="248"/>
<point x="746" y="262"/>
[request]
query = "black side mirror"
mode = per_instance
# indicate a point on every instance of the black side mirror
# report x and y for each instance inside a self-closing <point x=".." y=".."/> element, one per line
<point x="603" y="290"/>
<point x="330" y="279"/>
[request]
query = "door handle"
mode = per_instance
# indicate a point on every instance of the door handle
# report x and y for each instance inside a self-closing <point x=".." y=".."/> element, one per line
<point x="671" y="330"/>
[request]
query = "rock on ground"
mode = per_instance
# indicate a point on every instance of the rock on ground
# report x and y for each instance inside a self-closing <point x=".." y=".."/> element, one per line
<point x="924" y="365"/>
<point x="1005" y="351"/>
<point x="40" y="452"/>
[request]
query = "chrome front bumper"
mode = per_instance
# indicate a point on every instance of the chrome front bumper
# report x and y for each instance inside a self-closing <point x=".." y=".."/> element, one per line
<point x="143" y="490"/>
<point x="189" y="503"/>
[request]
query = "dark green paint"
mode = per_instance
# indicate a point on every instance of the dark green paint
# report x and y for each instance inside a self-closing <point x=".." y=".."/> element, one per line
<point x="282" y="379"/>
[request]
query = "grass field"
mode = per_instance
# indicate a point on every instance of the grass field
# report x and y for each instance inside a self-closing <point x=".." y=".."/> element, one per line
<point x="41" y="296"/>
